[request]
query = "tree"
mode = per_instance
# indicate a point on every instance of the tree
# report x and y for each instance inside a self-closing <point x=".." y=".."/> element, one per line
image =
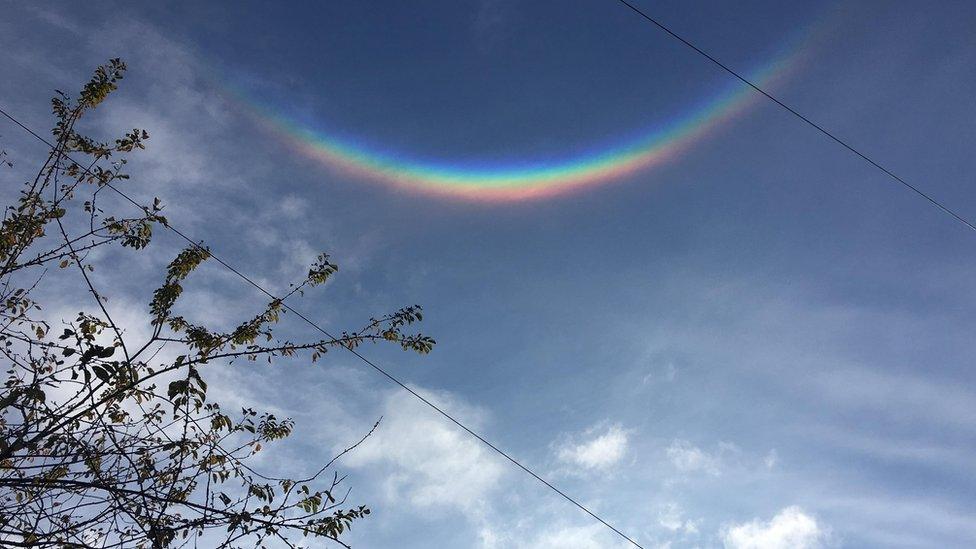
<point x="102" y="442"/>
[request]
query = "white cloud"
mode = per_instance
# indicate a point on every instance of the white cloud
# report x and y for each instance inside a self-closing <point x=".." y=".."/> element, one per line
<point x="431" y="462"/>
<point x="596" y="450"/>
<point x="688" y="458"/>
<point x="671" y="518"/>
<point x="771" y="459"/>
<point x="791" y="528"/>
<point x="593" y="536"/>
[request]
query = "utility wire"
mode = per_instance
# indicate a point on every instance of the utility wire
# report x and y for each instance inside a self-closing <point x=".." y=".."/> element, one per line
<point x="795" y="113"/>
<point x="356" y="353"/>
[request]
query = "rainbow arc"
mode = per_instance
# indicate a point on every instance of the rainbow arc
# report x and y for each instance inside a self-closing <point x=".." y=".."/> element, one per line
<point x="528" y="179"/>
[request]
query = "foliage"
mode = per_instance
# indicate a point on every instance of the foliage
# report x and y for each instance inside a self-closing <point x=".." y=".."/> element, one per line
<point x="104" y="443"/>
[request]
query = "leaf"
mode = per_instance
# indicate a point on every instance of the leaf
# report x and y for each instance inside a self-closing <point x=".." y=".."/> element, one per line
<point x="101" y="373"/>
<point x="176" y="387"/>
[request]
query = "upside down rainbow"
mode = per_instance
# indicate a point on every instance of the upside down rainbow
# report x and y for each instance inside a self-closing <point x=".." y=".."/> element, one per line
<point x="503" y="182"/>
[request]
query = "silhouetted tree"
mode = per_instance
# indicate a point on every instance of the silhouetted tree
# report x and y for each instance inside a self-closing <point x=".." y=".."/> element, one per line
<point x="103" y="443"/>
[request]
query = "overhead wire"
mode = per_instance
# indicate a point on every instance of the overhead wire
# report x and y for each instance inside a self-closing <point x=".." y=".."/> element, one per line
<point x="932" y="200"/>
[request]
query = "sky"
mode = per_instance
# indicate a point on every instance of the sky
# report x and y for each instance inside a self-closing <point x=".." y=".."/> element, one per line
<point x="701" y="318"/>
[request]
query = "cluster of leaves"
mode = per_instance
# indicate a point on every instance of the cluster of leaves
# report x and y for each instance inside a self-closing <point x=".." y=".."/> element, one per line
<point x="104" y="443"/>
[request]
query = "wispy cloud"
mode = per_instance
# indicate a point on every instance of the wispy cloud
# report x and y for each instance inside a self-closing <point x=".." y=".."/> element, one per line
<point x="688" y="458"/>
<point x="489" y="25"/>
<point x="578" y="537"/>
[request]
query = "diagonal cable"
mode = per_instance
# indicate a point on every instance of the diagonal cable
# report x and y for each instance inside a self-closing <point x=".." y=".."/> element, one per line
<point x="932" y="200"/>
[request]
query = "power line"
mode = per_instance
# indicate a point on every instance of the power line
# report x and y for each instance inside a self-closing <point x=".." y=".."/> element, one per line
<point x="795" y="113"/>
<point x="356" y="353"/>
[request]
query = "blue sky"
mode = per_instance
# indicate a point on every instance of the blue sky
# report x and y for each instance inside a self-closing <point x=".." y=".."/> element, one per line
<point x="762" y="343"/>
